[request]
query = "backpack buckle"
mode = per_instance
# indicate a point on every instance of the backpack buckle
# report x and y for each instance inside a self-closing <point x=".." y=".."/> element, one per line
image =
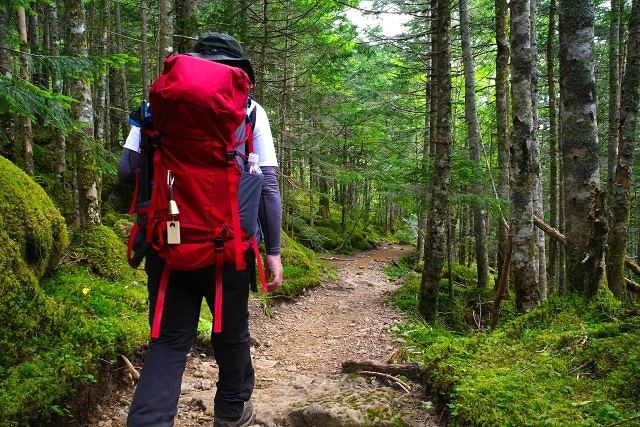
<point x="231" y="155"/>
<point x="219" y="242"/>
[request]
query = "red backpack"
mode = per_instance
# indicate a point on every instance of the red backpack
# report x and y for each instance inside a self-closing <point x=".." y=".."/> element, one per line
<point x="192" y="218"/>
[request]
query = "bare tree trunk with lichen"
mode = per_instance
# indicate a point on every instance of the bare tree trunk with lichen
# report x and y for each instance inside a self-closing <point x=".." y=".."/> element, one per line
<point x="538" y="198"/>
<point x="25" y="122"/>
<point x="619" y="199"/>
<point x="524" y="261"/>
<point x="475" y="146"/>
<point x="584" y="216"/>
<point x="165" y="31"/>
<point x="502" y="120"/>
<point x="436" y="247"/>
<point x="614" y="91"/>
<point x="88" y="174"/>
<point x="552" y="267"/>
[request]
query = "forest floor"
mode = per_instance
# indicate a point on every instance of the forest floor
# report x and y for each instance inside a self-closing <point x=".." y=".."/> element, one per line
<point x="298" y="353"/>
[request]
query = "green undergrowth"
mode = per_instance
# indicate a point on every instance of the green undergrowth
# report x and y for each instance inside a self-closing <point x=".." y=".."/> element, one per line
<point x="302" y="268"/>
<point x="329" y="234"/>
<point x="567" y="362"/>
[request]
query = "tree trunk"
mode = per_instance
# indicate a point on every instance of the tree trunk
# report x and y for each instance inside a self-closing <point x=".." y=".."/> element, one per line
<point x="614" y="91"/>
<point x="88" y="174"/>
<point x="60" y="164"/>
<point x="475" y="146"/>
<point x="186" y="25"/>
<point x="502" y="120"/>
<point x="124" y="93"/>
<point x="435" y="251"/>
<point x="552" y="268"/>
<point x="619" y="198"/>
<point x="538" y="198"/>
<point x="165" y="31"/>
<point x="25" y="123"/>
<point x="102" y="45"/>
<point x="144" y="54"/>
<point x="524" y="262"/>
<point x="5" y="54"/>
<point x="580" y="147"/>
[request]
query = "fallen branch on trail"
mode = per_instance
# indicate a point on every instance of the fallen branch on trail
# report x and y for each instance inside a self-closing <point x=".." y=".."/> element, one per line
<point x="559" y="237"/>
<point x="404" y="386"/>
<point x="409" y="370"/>
<point x="130" y="367"/>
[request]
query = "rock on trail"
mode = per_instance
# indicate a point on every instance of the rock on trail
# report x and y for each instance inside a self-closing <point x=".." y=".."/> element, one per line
<point x="297" y="357"/>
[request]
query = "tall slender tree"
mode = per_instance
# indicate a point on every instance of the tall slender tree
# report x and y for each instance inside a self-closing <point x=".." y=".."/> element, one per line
<point x="585" y="222"/>
<point x="620" y="197"/>
<point x="552" y="267"/>
<point x="475" y="145"/>
<point x="524" y="262"/>
<point x="87" y="173"/>
<point x="502" y="119"/>
<point x="25" y="122"/>
<point x="165" y="31"/>
<point x="614" y="91"/>
<point x="436" y="242"/>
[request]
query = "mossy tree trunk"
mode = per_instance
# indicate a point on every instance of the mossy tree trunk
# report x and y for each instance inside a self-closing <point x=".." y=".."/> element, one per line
<point x="60" y="163"/>
<point x="475" y="146"/>
<point x="619" y="197"/>
<point x="502" y="120"/>
<point x="186" y="25"/>
<point x="436" y="241"/>
<point x="552" y="268"/>
<point x="86" y="170"/>
<point x="524" y="261"/>
<point x="579" y="141"/>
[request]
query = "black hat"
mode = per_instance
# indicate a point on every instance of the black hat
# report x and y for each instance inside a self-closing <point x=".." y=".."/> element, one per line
<point x="224" y="49"/>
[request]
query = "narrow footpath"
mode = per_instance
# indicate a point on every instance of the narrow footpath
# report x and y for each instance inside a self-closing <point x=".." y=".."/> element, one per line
<point x="298" y="353"/>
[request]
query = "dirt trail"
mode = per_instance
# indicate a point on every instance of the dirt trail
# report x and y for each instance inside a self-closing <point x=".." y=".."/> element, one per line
<point x="298" y="352"/>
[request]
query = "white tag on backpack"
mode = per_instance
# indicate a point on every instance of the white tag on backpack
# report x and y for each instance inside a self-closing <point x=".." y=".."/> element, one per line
<point x="173" y="232"/>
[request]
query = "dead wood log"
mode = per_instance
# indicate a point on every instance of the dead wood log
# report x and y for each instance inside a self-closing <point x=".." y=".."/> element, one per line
<point x="409" y="370"/>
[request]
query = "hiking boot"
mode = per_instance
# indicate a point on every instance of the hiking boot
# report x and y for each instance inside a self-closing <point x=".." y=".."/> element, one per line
<point x="243" y="421"/>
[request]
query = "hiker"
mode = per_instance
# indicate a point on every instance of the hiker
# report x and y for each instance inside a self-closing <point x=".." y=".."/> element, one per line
<point x="156" y="397"/>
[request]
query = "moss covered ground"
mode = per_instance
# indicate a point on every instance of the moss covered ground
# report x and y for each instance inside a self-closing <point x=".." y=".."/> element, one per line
<point x="567" y="362"/>
<point x="66" y="312"/>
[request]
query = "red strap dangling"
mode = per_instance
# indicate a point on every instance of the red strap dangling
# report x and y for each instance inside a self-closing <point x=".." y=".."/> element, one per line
<point x="162" y="291"/>
<point x="217" y="298"/>
<point x="131" y="241"/>
<point x="256" y="250"/>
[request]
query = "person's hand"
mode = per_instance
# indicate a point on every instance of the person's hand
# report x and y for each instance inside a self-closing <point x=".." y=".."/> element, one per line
<point x="274" y="272"/>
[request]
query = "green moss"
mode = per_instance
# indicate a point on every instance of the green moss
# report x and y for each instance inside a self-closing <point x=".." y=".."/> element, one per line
<point x="301" y="268"/>
<point x="564" y="363"/>
<point x="30" y="219"/>
<point x="90" y="321"/>
<point x="56" y="327"/>
<point x="102" y="250"/>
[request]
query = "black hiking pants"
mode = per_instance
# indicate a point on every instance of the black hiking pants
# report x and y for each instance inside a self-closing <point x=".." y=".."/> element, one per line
<point x="156" y="397"/>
